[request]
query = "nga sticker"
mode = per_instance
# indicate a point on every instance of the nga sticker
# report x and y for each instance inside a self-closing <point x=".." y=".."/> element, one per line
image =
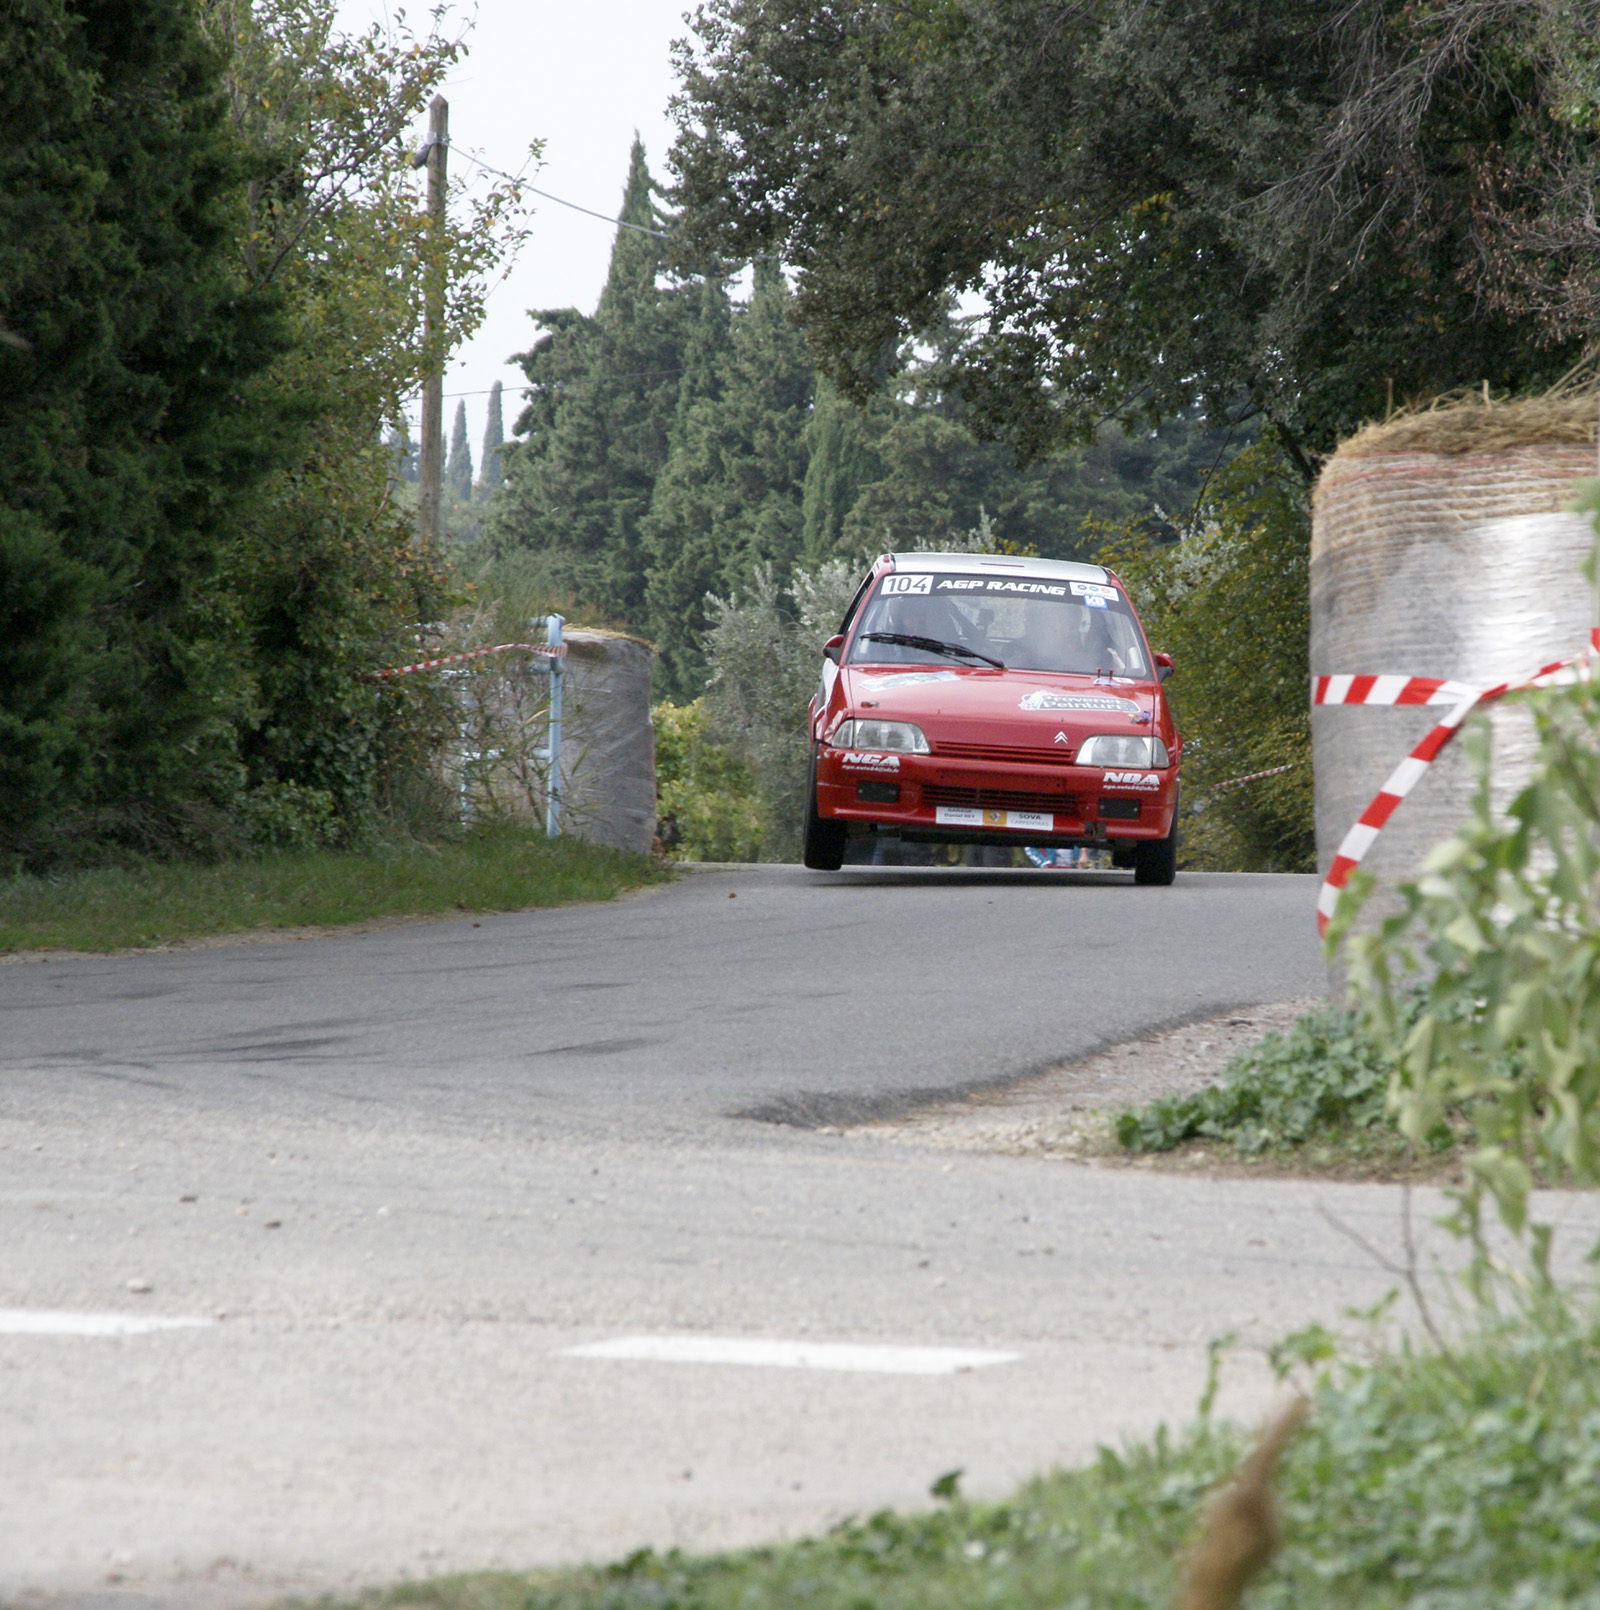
<point x="1131" y="779"/>
<point x="858" y="760"/>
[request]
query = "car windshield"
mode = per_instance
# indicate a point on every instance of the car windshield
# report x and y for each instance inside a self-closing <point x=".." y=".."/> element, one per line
<point x="1028" y="625"/>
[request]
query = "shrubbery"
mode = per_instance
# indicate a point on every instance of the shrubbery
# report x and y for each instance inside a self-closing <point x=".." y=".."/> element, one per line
<point x="707" y="808"/>
<point x="765" y="646"/>
<point x="1230" y="602"/>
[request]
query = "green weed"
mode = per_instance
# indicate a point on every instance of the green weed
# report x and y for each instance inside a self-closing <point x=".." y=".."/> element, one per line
<point x="1325" y="1082"/>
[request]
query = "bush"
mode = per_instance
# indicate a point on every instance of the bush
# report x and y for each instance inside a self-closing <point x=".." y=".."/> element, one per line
<point x="1230" y="602"/>
<point x="707" y="808"/>
<point x="289" y="816"/>
<point x="764" y="659"/>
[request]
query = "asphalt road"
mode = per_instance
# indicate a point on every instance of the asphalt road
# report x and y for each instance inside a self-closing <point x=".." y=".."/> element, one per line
<point x="398" y="1176"/>
<point x="770" y="991"/>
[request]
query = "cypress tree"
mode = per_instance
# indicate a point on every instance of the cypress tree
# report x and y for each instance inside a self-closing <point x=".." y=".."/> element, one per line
<point x="840" y="463"/>
<point x="131" y="425"/>
<point x="493" y="439"/>
<point x="730" y="494"/>
<point x="458" y="469"/>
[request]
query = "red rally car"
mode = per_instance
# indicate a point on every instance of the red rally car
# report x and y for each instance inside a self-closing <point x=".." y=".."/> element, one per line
<point x="980" y="699"/>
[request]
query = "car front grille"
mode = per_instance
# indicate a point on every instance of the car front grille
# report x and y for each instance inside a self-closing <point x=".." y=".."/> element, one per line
<point x="1061" y="755"/>
<point x="999" y="799"/>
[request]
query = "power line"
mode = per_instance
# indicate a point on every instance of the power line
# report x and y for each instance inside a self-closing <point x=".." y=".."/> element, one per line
<point x="605" y="218"/>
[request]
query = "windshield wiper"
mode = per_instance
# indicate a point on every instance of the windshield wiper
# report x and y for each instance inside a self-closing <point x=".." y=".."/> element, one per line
<point x="931" y="645"/>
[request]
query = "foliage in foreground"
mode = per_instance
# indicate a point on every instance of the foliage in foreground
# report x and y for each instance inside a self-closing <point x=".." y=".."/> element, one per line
<point x="1469" y="1481"/>
<point x="1325" y="1081"/>
<point x="1501" y="934"/>
<point x="501" y="868"/>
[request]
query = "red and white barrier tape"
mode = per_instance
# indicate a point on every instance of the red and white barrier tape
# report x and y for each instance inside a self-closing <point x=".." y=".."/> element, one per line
<point x="559" y="652"/>
<point x="1249" y="777"/>
<point x="1463" y="698"/>
<point x="1388" y="690"/>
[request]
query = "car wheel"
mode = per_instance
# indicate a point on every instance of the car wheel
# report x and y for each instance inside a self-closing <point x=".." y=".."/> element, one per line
<point x="1156" y="860"/>
<point x="821" y="842"/>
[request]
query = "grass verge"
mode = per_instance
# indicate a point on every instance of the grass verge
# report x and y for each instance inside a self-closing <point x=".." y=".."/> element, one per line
<point x="1468" y="1481"/>
<point x="496" y="869"/>
<point x="1314" y="1096"/>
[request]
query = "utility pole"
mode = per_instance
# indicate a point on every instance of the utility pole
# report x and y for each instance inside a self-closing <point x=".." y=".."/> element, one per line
<point x="433" y="155"/>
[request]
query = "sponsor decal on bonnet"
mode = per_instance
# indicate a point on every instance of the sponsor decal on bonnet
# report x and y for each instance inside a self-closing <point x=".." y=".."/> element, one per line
<point x="1049" y="699"/>
<point x="901" y="679"/>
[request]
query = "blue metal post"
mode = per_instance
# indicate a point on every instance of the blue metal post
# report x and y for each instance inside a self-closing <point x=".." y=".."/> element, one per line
<point x="552" y="809"/>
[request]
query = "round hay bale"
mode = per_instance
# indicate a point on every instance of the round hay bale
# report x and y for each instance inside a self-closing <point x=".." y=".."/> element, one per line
<point x="608" y="748"/>
<point x="1443" y="545"/>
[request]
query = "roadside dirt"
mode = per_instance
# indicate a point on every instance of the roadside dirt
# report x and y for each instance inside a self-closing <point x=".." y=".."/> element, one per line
<point x="1068" y="1112"/>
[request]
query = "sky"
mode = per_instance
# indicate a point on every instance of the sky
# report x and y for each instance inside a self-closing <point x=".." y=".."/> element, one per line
<point x="582" y="75"/>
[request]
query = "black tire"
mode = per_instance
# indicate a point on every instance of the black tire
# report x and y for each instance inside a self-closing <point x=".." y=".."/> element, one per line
<point x="1156" y="860"/>
<point x="821" y="843"/>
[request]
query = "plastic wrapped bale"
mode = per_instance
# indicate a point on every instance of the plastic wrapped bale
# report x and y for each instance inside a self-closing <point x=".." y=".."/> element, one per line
<point x="1442" y="545"/>
<point x="608" y="746"/>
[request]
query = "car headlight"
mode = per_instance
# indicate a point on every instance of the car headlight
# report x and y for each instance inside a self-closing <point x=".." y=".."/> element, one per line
<point x="1122" y="749"/>
<point x="887" y="737"/>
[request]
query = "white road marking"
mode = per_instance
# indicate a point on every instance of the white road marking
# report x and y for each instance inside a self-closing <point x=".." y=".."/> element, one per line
<point x="867" y="1357"/>
<point x="73" y="1322"/>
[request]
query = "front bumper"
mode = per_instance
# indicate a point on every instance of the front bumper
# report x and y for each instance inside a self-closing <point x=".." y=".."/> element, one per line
<point x="931" y="798"/>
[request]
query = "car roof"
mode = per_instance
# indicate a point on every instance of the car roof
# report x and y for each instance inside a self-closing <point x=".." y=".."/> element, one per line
<point x="1053" y="569"/>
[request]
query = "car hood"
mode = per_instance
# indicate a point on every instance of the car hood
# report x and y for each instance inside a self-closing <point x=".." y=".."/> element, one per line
<point x="1024" y="709"/>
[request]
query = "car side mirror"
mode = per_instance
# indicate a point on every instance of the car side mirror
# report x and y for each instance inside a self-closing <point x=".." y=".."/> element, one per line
<point x="1164" y="667"/>
<point x="833" y="648"/>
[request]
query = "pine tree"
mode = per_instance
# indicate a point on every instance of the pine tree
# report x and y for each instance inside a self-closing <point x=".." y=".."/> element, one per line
<point x="493" y="439"/>
<point x="130" y="418"/>
<point x="602" y="393"/>
<point x="458" y="469"/>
